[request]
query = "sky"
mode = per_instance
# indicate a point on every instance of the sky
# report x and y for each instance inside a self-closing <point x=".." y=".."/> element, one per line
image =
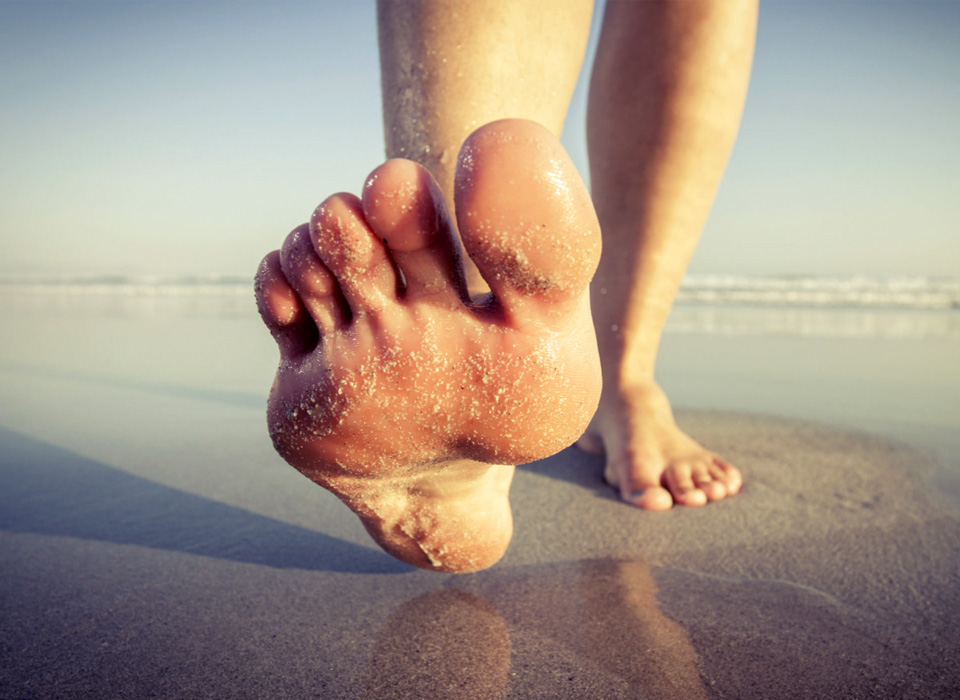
<point x="189" y="137"/>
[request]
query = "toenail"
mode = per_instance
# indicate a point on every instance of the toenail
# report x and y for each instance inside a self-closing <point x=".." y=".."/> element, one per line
<point x="637" y="495"/>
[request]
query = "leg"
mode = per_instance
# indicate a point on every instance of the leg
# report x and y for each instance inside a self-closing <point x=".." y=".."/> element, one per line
<point x="449" y="67"/>
<point x="398" y="394"/>
<point x="666" y="96"/>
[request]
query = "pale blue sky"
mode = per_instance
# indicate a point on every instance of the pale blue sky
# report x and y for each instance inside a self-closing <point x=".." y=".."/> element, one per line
<point x="189" y="137"/>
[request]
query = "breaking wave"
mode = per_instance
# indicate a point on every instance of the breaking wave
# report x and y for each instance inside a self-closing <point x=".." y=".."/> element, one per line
<point x="851" y="306"/>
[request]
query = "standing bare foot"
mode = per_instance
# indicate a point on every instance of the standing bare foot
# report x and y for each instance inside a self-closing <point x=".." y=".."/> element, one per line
<point x="396" y="392"/>
<point x="652" y="462"/>
<point x="667" y="91"/>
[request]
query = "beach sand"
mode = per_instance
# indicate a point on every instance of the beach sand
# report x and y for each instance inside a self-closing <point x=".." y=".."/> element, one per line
<point x="154" y="545"/>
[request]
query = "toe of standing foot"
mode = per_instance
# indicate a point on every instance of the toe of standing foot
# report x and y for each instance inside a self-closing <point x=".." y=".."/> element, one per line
<point x="649" y="498"/>
<point x="652" y="462"/>
<point x="680" y="482"/>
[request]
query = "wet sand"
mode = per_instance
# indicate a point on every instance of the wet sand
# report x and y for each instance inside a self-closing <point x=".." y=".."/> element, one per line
<point x="153" y="545"/>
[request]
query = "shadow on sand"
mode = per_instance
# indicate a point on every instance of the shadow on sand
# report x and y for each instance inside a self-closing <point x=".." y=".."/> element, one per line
<point x="243" y="399"/>
<point x="50" y="491"/>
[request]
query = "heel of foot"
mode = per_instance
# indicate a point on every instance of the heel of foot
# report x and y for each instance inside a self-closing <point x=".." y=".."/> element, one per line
<point x="443" y="525"/>
<point x="458" y="554"/>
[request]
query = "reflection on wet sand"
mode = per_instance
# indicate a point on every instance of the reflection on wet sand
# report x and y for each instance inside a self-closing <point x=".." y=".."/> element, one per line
<point x="455" y="644"/>
<point x="628" y="635"/>
<point x="443" y="644"/>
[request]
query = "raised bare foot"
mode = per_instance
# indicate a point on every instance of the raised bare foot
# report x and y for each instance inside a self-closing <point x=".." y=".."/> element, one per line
<point x="650" y="460"/>
<point x="396" y="392"/>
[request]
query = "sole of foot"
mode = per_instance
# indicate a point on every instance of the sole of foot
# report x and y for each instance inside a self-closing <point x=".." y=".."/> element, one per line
<point x="397" y="392"/>
<point x="650" y="460"/>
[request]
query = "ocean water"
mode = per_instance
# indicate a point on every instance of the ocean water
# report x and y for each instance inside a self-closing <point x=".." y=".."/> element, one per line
<point x="856" y="291"/>
<point x="728" y="305"/>
<point x="839" y="307"/>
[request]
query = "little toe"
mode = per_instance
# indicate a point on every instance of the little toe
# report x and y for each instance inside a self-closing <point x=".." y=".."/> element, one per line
<point x="312" y="281"/>
<point x="727" y="474"/>
<point x="353" y="254"/>
<point x="282" y="310"/>
<point x="524" y="215"/>
<point x="404" y="207"/>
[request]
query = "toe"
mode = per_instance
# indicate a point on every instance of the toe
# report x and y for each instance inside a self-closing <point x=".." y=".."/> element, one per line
<point x="678" y="478"/>
<point x="312" y="281"/>
<point x="404" y="207"/>
<point x="713" y="489"/>
<point x="727" y="474"/>
<point x="704" y="479"/>
<point x="649" y="498"/>
<point x="282" y="310"/>
<point x="353" y="254"/>
<point x="639" y="483"/>
<point x="524" y="214"/>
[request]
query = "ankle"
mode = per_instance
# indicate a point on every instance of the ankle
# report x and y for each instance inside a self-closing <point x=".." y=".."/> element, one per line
<point x="627" y="373"/>
<point x="633" y="389"/>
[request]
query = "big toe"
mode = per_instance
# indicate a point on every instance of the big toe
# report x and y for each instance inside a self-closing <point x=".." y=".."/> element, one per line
<point x="649" y="498"/>
<point x="524" y="214"/>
